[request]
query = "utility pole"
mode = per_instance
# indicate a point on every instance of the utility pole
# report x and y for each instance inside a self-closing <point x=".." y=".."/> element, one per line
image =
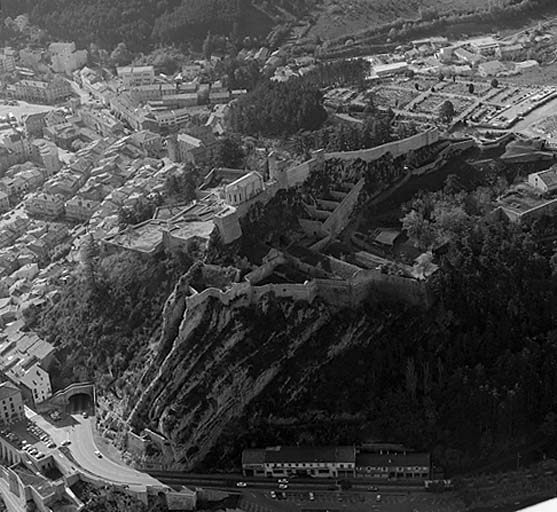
<point x="517" y="461"/>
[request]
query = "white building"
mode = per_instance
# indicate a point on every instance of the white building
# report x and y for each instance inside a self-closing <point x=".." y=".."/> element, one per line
<point x="244" y="188"/>
<point x="133" y="76"/>
<point x="545" y="181"/>
<point x="486" y="46"/>
<point x="34" y="378"/>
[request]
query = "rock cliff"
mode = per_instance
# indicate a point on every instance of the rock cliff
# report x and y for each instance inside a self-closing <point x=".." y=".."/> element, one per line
<point x="213" y="360"/>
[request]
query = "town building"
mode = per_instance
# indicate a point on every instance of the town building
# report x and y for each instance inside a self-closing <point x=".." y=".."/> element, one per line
<point x="385" y="70"/>
<point x="37" y="91"/>
<point x="79" y="209"/>
<point x="510" y="52"/>
<point x="24" y="360"/>
<point x="43" y="204"/>
<point x="167" y="120"/>
<point x="4" y="202"/>
<point x="149" y="142"/>
<point x="486" y="46"/>
<point x="11" y="404"/>
<point x="289" y="461"/>
<point x="34" y="124"/>
<point x="45" y="153"/>
<point x="188" y="148"/>
<point x="62" y="135"/>
<point x="151" y="92"/>
<point x="407" y="466"/>
<point x="468" y="57"/>
<point x="7" y="60"/>
<point x="33" y="380"/>
<point x="133" y="76"/>
<point x="65" y="58"/>
<point x="126" y="109"/>
<point x="102" y="122"/>
<point x="491" y="68"/>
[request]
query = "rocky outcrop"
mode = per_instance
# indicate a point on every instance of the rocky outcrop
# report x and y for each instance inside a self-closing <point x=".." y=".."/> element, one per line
<point x="213" y="360"/>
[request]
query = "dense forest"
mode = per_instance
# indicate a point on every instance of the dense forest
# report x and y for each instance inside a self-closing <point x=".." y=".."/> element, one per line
<point x="279" y="109"/>
<point x="473" y="380"/>
<point x="140" y="24"/>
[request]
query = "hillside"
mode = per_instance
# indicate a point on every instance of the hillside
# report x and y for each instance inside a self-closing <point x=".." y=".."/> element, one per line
<point x="141" y="24"/>
<point x="216" y="377"/>
<point x="337" y="18"/>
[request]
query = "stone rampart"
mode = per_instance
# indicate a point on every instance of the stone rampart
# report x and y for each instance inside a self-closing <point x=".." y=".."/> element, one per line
<point x="396" y="148"/>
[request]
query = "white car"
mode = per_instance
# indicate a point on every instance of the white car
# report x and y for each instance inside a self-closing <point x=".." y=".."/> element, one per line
<point x="241" y="484"/>
<point x="283" y="486"/>
<point x="98" y="454"/>
<point x="283" y="481"/>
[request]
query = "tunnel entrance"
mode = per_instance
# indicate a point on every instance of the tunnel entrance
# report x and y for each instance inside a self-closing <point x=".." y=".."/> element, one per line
<point x="80" y="402"/>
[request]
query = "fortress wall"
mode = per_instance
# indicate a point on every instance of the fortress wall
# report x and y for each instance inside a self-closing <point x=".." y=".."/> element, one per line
<point x="396" y="148"/>
<point x="340" y="218"/>
<point x="265" y="270"/>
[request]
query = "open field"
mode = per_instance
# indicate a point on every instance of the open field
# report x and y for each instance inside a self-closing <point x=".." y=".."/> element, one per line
<point x="22" y="109"/>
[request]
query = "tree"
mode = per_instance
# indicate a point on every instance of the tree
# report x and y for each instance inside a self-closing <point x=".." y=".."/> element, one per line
<point x="447" y="111"/>
<point x="471" y="88"/>
<point x="208" y="46"/>
<point x="121" y="56"/>
<point x="229" y="153"/>
<point x="494" y="83"/>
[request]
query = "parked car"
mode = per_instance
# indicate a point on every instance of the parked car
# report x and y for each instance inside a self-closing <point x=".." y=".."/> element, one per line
<point x="283" y="486"/>
<point x="241" y="484"/>
<point x="273" y="495"/>
<point x="66" y="442"/>
<point x="311" y="496"/>
<point x="283" y="480"/>
<point x="98" y="454"/>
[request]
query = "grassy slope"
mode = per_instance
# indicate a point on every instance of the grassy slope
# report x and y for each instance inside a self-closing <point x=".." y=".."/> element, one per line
<point x="340" y="17"/>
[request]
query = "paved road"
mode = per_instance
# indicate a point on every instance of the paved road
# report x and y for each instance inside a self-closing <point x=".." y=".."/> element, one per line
<point x="82" y="449"/>
<point x="536" y="115"/>
<point x="256" y="501"/>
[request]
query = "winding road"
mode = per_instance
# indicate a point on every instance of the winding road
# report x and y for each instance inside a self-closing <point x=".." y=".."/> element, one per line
<point x="82" y="448"/>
